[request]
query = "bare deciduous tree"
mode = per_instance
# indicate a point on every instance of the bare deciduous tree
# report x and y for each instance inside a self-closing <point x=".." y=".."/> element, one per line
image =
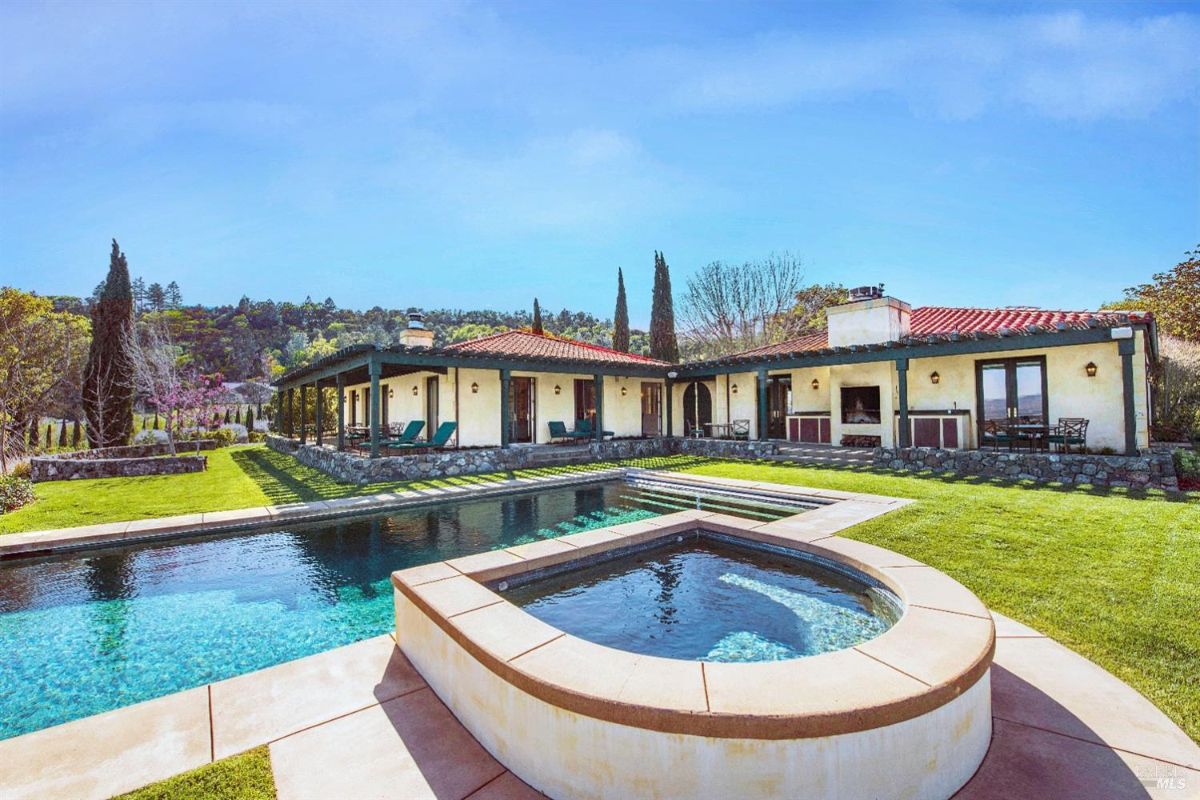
<point x="733" y="307"/>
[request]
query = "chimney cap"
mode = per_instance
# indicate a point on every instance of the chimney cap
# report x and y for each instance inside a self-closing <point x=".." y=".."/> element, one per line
<point x="859" y="293"/>
<point x="416" y="319"/>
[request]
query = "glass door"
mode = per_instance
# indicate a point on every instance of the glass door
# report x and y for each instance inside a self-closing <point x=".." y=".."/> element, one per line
<point x="779" y="400"/>
<point x="651" y="409"/>
<point x="1013" y="390"/>
<point x="520" y="398"/>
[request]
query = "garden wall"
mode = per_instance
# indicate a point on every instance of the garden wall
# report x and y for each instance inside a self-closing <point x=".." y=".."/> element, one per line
<point x="354" y="468"/>
<point x="71" y="469"/>
<point x="138" y="450"/>
<point x="1149" y="471"/>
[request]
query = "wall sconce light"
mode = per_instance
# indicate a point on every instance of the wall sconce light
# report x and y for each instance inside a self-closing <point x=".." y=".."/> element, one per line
<point x="816" y="384"/>
<point x="557" y="389"/>
<point x="1090" y="369"/>
<point x="733" y="389"/>
<point x="391" y="392"/>
<point x="934" y="378"/>
<point x="474" y="388"/>
<point x="414" y="391"/>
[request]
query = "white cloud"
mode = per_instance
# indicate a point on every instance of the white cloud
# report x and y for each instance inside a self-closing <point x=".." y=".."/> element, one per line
<point x="1065" y="65"/>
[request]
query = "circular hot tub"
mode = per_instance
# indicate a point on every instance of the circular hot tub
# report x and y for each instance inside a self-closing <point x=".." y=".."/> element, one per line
<point x="903" y="711"/>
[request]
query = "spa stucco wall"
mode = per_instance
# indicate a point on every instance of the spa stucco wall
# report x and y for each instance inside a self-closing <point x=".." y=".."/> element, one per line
<point x="568" y="755"/>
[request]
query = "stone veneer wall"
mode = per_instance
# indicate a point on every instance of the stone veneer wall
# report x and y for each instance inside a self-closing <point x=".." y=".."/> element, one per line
<point x="1147" y="471"/>
<point x="138" y="450"/>
<point x="353" y="468"/>
<point x="71" y="469"/>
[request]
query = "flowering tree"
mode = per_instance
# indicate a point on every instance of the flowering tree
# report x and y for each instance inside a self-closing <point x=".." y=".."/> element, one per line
<point x="181" y="395"/>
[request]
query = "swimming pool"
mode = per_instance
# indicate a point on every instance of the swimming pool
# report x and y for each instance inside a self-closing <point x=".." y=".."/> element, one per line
<point x="96" y="630"/>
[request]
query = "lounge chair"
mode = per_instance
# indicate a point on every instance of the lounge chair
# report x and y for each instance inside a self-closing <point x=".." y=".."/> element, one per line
<point x="558" y="430"/>
<point x="584" y="426"/>
<point x="440" y="437"/>
<point x="407" y="437"/>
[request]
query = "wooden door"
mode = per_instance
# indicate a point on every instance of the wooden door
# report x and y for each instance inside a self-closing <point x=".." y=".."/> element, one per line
<point x="521" y="416"/>
<point x="431" y="406"/>
<point x="651" y="409"/>
<point x="779" y="397"/>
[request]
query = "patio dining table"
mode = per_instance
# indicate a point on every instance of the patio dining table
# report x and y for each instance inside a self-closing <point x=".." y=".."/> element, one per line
<point x="719" y="430"/>
<point x="1036" y="434"/>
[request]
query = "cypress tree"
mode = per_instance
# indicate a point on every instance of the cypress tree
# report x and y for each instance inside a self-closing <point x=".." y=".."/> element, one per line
<point x="663" y="343"/>
<point x="157" y="422"/>
<point x="237" y="417"/>
<point x="76" y="434"/>
<point x="108" y="385"/>
<point x="621" y="317"/>
<point x="62" y="435"/>
<point x="249" y="419"/>
<point x="228" y="417"/>
<point x="50" y="436"/>
<point x="537" y="318"/>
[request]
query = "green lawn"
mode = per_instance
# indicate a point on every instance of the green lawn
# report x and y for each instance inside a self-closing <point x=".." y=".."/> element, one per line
<point x="242" y="777"/>
<point x="1107" y="573"/>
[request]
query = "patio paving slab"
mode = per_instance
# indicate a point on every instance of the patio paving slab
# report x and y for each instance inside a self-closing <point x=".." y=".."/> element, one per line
<point x="271" y="703"/>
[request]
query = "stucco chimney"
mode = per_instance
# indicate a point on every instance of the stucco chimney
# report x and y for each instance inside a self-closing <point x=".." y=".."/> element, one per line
<point x="416" y="334"/>
<point x="869" y="318"/>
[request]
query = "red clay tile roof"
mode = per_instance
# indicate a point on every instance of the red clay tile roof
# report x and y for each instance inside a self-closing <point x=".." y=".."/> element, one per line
<point x="934" y="320"/>
<point x="527" y="343"/>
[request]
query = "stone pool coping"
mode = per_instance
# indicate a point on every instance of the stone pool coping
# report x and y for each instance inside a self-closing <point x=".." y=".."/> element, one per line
<point x="940" y="647"/>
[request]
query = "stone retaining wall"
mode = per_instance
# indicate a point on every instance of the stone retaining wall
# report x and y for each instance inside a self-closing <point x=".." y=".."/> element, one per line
<point x="1147" y="471"/>
<point x="72" y="469"/>
<point x="138" y="450"/>
<point x="354" y="468"/>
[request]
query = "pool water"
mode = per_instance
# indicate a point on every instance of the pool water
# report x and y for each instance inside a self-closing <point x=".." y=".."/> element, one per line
<point x="704" y="599"/>
<point x="92" y="631"/>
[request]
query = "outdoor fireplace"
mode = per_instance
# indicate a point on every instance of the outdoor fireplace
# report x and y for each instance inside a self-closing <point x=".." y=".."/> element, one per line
<point x="860" y="405"/>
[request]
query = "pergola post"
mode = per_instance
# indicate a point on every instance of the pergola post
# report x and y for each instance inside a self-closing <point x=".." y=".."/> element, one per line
<point x="670" y="401"/>
<point x="505" y="378"/>
<point x="374" y="367"/>
<point x="1125" y="347"/>
<point x="290" y="423"/>
<point x="303" y="413"/>
<point x="279" y="417"/>
<point x="341" y="407"/>
<point x="320" y="415"/>
<point x="598" y="383"/>
<point x="902" y="385"/>
<point x="761" y="380"/>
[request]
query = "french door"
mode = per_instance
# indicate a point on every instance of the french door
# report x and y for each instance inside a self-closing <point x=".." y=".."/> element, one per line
<point x="779" y="399"/>
<point x="431" y="405"/>
<point x="651" y="409"/>
<point x="585" y="400"/>
<point x="520" y="410"/>
<point x="1012" y="389"/>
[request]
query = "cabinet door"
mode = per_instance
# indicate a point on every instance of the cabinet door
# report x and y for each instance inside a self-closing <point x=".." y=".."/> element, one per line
<point x="825" y="430"/>
<point x="950" y="433"/>
<point x="793" y="430"/>
<point x="926" y="432"/>
<point x="809" y="431"/>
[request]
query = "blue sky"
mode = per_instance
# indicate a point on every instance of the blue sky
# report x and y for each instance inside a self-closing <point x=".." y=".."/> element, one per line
<point x="475" y="155"/>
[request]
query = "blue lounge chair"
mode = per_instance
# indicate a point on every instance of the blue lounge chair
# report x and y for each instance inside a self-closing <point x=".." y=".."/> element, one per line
<point x="558" y="430"/>
<point x="584" y="426"/>
<point x="407" y="437"/>
<point x="440" y="437"/>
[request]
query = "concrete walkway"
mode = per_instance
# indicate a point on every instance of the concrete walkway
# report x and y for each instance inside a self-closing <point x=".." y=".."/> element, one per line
<point x="359" y="722"/>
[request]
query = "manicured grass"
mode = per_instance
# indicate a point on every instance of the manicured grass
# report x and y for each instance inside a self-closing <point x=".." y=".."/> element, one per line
<point x="1112" y="577"/>
<point x="237" y="477"/>
<point x="242" y="777"/>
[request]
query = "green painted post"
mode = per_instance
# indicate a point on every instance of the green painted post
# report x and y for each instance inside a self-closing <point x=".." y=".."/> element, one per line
<point x="902" y="383"/>
<point x="341" y="406"/>
<point x="291" y="421"/>
<point x="320" y="415"/>
<point x="670" y="401"/>
<point x="279" y="417"/>
<point x="761" y="380"/>
<point x="505" y="379"/>
<point x="1125" y="348"/>
<point x="598" y="383"/>
<point x="373" y="367"/>
<point x="303" y="413"/>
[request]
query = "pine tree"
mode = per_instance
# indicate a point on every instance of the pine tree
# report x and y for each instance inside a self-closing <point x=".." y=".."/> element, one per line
<point x="537" y="318"/>
<point x="108" y="380"/>
<point x="156" y="297"/>
<point x="621" y="317"/>
<point x="174" y="296"/>
<point x="138" y="287"/>
<point x="663" y="343"/>
<point x="62" y="435"/>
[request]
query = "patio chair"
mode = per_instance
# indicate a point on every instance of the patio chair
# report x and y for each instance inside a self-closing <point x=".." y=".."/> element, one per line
<point x="408" y="436"/>
<point x="1071" y="432"/>
<point x="584" y="426"/>
<point x="740" y="429"/>
<point x="995" y="433"/>
<point x="440" y="437"/>
<point x="558" y="430"/>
